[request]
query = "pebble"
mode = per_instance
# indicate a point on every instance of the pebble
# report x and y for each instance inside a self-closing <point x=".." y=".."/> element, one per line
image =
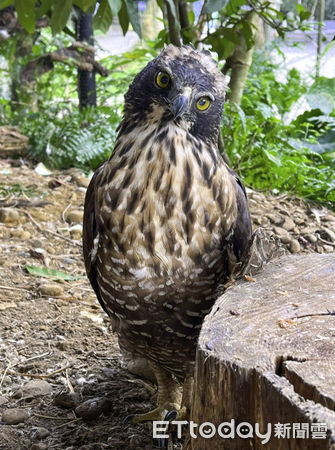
<point x="288" y="224"/>
<point x="40" y="433"/>
<point x="39" y="446"/>
<point x="20" y="233"/>
<point x="330" y="235"/>
<point x="9" y="215"/>
<point x="75" y="216"/>
<point x="14" y="416"/>
<point x="3" y="400"/>
<point x="311" y="238"/>
<point x="93" y="408"/>
<point x="294" y="246"/>
<point x="51" y="290"/>
<point x="275" y="219"/>
<point x="81" y="181"/>
<point x="68" y="399"/>
<point x="36" y="388"/>
<point x="328" y="248"/>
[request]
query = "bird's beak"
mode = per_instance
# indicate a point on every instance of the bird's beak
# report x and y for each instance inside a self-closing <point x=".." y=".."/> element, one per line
<point x="179" y="105"/>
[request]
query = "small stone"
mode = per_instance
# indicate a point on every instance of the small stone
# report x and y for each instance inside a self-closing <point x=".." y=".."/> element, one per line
<point x="75" y="216"/>
<point x="280" y="232"/>
<point x="328" y="248"/>
<point x="50" y="250"/>
<point x="135" y="441"/>
<point x="36" y="388"/>
<point x="294" y="246"/>
<point x="81" y="181"/>
<point x="67" y="399"/>
<point x="14" y="416"/>
<point x="39" y="446"/>
<point x="286" y="238"/>
<point x="9" y="215"/>
<point x="20" y="233"/>
<point x="275" y="219"/>
<point x="329" y="234"/>
<point x="319" y="249"/>
<point x="51" y="290"/>
<point x="36" y="243"/>
<point x="3" y="401"/>
<point x="40" y="433"/>
<point x="311" y="238"/>
<point x="93" y="408"/>
<point x="288" y="224"/>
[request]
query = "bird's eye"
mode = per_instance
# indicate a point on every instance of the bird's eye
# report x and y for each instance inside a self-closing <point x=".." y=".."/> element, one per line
<point x="162" y="79"/>
<point x="203" y="103"/>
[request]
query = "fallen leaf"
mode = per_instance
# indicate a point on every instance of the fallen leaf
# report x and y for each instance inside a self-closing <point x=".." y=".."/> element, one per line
<point x="51" y="273"/>
<point x="249" y="278"/>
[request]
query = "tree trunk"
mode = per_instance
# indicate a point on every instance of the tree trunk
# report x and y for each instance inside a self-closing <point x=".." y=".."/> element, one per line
<point x="240" y="62"/>
<point x="266" y="355"/>
<point x="86" y="79"/>
<point x="321" y="18"/>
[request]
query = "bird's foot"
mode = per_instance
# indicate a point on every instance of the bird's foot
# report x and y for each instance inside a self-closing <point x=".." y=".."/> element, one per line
<point x="159" y="413"/>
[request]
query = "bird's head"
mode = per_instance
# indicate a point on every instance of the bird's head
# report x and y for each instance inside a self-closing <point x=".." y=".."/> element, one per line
<point x="180" y="85"/>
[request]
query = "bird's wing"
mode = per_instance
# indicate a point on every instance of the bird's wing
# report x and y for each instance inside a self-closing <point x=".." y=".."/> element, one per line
<point x="91" y="235"/>
<point x="242" y="229"/>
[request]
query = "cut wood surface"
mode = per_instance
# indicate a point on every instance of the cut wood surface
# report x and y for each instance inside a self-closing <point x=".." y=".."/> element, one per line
<point x="266" y="355"/>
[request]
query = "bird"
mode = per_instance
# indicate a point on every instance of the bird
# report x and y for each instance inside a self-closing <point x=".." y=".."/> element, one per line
<point x="166" y="220"/>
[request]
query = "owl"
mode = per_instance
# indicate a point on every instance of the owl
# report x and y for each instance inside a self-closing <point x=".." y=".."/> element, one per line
<point x="166" y="221"/>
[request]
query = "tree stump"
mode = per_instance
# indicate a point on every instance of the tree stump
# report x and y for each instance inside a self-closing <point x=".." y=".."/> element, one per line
<point x="266" y="355"/>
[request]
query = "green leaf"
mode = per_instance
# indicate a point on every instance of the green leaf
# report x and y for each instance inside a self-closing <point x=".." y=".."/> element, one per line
<point x="134" y="16"/>
<point x="214" y="5"/>
<point x="104" y="17"/>
<point x="247" y="34"/>
<point x="123" y="18"/>
<point x="5" y="3"/>
<point x="115" y="6"/>
<point x="321" y="95"/>
<point x="26" y="14"/>
<point x="60" y="15"/>
<point x="45" y="6"/>
<point x="232" y="35"/>
<point x="51" y="273"/>
<point x="84" y="5"/>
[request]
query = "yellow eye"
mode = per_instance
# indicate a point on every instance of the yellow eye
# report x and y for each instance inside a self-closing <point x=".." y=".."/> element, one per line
<point x="203" y="103"/>
<point x="162" y="79"/>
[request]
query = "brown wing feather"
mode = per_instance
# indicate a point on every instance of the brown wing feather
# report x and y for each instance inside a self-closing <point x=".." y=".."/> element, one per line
<point x="90" y="233"/>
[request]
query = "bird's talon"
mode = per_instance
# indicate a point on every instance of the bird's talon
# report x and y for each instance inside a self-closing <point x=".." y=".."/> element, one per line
<point x="129" y="418"/>
<point x="171" y="415"/>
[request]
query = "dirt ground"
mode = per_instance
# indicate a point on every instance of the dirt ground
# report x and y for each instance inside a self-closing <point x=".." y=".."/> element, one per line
<point x="62" y="381"/>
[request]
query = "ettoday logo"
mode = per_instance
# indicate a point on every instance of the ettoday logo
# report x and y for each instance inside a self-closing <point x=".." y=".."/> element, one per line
<point x="243" y="430"/>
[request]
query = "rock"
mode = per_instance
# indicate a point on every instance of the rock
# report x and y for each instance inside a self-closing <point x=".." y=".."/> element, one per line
<point x="36" y="388"/>
<point x="20" y="233"/>
<point x="288" y="224"/>
<point x="36" y="243"/>
<point x="328" y="234"/>
<point x="40" y="433"/>
<point x="328" y="248"/>
<point x="14" y="416"/>
<point x="276" y="219"/>
<point x="75" y="216"/>
<point x="39" y="446"/>
<point x="92" y="408"/>
<point x="67" y="399"/>
<point x="3" y="401"/>
<point x="51" y="290"/>
<point x="76" y="231"/>
<point x="81" y="181"/>
<point x="9" y="215"/>
<point x="294" y="246"/>
<point x="311" y="238"/>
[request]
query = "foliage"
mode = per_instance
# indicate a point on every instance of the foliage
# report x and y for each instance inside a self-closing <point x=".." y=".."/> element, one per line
<point x="271" y="151"/>
<point x="60" y="135"/>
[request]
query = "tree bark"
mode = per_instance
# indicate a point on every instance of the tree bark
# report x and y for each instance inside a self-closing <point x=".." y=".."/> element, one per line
<point x="266" y="355"/>
<point x="86" y="79"/>
<point x="240" y="62"/>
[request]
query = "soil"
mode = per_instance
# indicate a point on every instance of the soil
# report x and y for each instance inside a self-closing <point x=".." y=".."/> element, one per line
<point x="63" y="384"/>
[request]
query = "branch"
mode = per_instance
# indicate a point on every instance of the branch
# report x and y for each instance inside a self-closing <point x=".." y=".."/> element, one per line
<point x="78" y="54"/>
